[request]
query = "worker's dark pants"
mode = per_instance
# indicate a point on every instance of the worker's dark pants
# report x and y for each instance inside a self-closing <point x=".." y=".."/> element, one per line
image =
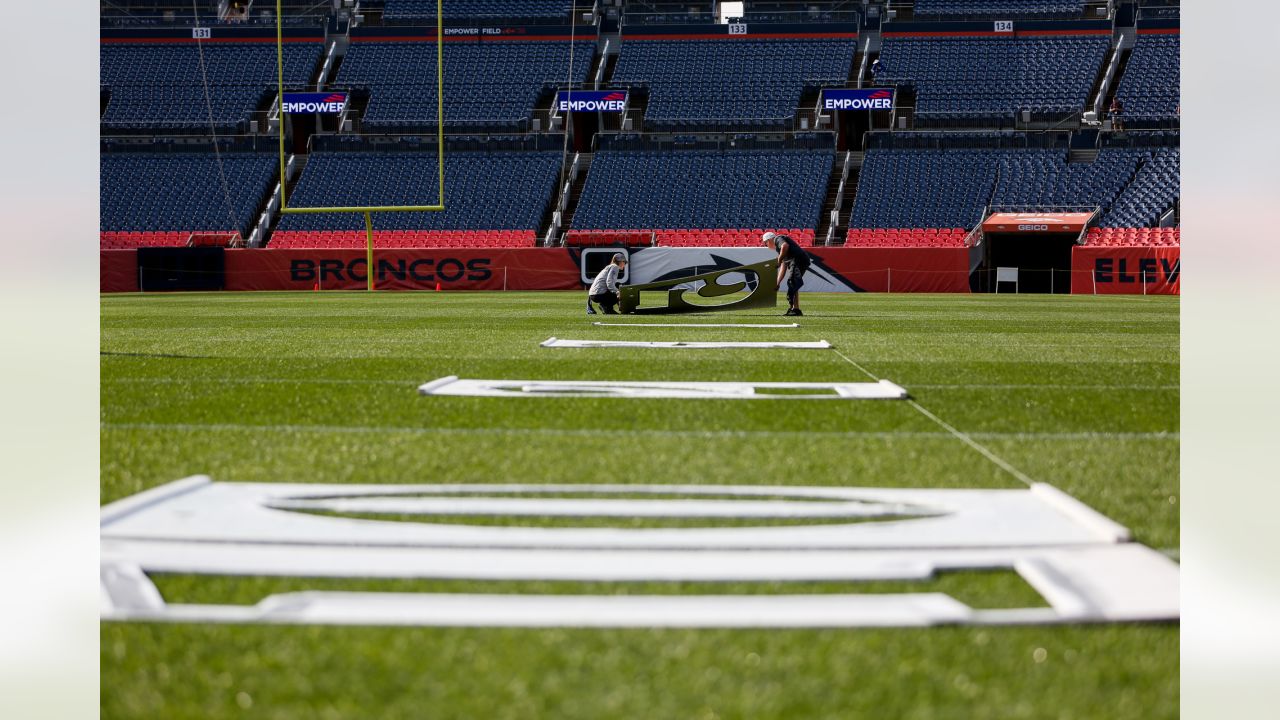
<point x="606" y="300"/>
<point x="795" y="279"/>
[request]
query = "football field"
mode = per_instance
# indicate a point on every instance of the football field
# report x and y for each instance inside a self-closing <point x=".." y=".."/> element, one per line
<point x="1077" y="392"/>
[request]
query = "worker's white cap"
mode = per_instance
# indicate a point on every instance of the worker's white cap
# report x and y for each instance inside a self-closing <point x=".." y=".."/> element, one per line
<point x="768" y="237"/>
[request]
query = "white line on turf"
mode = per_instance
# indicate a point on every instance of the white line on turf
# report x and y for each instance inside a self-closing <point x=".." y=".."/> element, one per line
<point x="962" y="437"/>
<point x="592" y="432"/>
<point x="350" y="381"/>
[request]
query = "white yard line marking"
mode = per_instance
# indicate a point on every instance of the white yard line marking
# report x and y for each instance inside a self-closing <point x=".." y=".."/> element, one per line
<point x="591" y="432"/>
<point x="962" y="437"/>
<point x="974" y="444"/>
<point x="347" y="381"/>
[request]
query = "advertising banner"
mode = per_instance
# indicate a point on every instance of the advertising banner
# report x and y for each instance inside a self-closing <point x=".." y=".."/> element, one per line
<point x="1126" y="270"/>
<point x="1032" y="223"/>
<point x="325" y="103"/>
<point x="860" y="99"/>
<point x="610" y="101"/>
<point x="451" y="269"/>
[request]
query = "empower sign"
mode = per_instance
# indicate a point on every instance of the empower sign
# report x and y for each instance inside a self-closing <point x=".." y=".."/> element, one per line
<point x="328" y="103"/>
<point x="610" y="101"/>
<point x="857" y="99"/>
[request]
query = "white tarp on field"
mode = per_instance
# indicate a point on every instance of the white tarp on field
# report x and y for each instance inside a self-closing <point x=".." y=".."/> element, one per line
<point x="1080" y="562"/>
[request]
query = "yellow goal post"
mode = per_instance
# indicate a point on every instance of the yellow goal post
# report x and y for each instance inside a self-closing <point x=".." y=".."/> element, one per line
<point x="366" y="210"/>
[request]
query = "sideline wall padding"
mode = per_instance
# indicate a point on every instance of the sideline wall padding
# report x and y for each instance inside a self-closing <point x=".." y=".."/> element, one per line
<point x="1121" y="270"/>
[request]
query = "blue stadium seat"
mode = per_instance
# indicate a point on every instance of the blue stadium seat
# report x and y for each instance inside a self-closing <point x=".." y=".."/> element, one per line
<point x="167" y="86"/>
<point x="184" y="191"/>
<point x="961" y="183"/>
<point x="999" y="9"/>
<point x="699" y="189"/>
<point x="989" y="79"/>
<point x="489" y="86"/>
<point x="747" y="84"/>
<point x="1149" y="88"/>
<point x="483" y="190"/>
<point x="478" y="9"/>
<point x="1155" y="189"/>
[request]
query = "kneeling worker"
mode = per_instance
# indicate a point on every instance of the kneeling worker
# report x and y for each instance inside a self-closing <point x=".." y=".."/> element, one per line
<point x="793" y="262"/>
<point x="604" y="289"/>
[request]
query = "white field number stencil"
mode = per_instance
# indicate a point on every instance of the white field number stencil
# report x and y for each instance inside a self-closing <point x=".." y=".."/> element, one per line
<point x="681" y="344"/>
<point x="1079" y="561"/>
<point x="453" y="385"/>
<point x="699" y="325"/>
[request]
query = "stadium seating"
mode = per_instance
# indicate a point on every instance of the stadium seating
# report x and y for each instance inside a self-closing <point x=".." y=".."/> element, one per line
<point x="696" y="197"/>
<point x="907" y="238"/>
<point x="728" y="84"/>
<point x="490" y="85"/>
<point x="503" y="194"/>
<point x="394" y="239"/>
<point x="989" y="79"/>
<point x="733" y="237"/>
<point x="478" y="9"/>
<point x="1154" y="190"/>
<point x="1149" y="88"/>
<point x="999" y="9"/>
<point x="1131" y="185"/>
<point x="144" y="194"/>
<point x="162" y="86"/>
<point x="958" y="184"/>
<point x="1134" y="237"/>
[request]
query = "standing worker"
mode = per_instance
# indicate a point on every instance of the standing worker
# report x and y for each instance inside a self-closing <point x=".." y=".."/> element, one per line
<point x="793" y="262"/>
<point x="604" y="289"/>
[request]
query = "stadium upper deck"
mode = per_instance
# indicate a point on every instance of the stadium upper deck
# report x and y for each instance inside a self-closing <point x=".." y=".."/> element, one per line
<point x="749" y="90"/>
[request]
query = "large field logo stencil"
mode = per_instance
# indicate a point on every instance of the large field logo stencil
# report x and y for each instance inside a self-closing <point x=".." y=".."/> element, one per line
<point x="758" y="280"/>
<point x="1079" y="561"/>
<point x="365" y="210"/>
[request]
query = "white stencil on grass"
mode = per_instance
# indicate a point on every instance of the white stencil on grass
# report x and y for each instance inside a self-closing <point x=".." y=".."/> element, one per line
<point x="683" y="344"/>
<point x="1077" y="559"/>
<point x="453" y="385"/>
<point x="700" y="325"/>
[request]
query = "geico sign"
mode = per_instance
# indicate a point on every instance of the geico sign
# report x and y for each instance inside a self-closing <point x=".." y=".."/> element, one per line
<point x="1035" y="228"/>
<point x="421" y="270"/>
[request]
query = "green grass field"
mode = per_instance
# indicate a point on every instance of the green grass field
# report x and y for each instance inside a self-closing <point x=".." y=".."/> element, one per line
<point x="1079" y="392"/>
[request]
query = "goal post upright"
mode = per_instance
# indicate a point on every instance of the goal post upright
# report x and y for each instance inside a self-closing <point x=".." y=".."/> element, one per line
<point x="366" y="210"/>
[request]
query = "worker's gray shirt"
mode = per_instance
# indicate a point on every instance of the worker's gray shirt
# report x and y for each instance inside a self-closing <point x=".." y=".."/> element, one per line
<point x="606" y="280"/>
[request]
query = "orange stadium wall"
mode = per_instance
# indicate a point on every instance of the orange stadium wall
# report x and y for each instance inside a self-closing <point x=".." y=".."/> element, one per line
<point x="900" y="270"/>
<point x="857" y="269"/>
<point x="118" y="271"/>
<point x="1121" y="270"/>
